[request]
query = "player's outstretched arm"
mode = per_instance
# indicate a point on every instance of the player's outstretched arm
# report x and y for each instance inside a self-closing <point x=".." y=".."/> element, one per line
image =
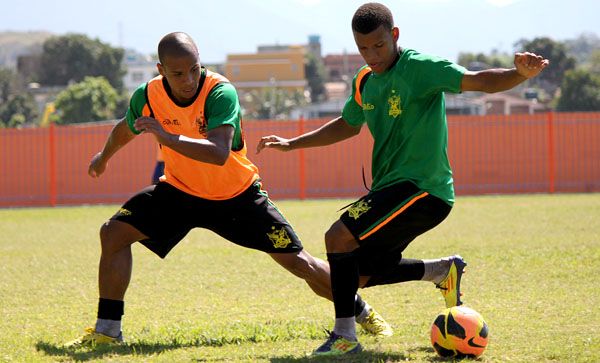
<point x="119" y="136"/>
<point x="527" y="65"/>
<point x="334" y="131"/>
<point x="214" y="149"/>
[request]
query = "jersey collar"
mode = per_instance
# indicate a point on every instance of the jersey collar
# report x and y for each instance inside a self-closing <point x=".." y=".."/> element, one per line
<point x="193" y="99"/>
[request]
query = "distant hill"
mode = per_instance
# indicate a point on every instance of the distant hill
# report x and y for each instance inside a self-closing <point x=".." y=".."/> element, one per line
<point x="583" y="47"/>
<point x="15" y="44"/>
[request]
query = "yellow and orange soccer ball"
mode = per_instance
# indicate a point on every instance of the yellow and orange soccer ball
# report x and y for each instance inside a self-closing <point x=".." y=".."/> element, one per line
<point x="459" y="332"/>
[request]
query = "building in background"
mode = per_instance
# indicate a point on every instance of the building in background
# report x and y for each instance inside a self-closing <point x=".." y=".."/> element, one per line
<point x="271" y="67"/>
<point x="139" y="68"/>
<point x="342" y="67"/>
<point x="506" y="103"/>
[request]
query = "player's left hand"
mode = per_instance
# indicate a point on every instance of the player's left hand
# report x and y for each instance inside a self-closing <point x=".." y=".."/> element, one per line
<point x="273" y="141"/>
<point x="530" y="65"/>
<point x="151" y="125"/>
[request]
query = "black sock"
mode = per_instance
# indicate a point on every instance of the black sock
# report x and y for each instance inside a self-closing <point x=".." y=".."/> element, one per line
<point x="406" y="270"/>
<point x="110" y="309"/>
<point x="359" y="305"/>
<point x="344" y="282"/>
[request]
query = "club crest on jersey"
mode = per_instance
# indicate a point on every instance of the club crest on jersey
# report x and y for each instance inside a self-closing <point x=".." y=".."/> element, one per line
<point x="394" y="102"/>
<point x="279" y="237"/>
<point x="358" y="209"/>
<point x="201" y="125"/>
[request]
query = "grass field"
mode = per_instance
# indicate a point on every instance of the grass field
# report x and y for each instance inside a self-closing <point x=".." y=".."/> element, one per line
<point x="534" y="263"/>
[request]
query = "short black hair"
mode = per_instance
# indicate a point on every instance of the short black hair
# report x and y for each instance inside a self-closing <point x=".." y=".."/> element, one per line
<point x="371" y="16"/>
<point x="178" y="44"/>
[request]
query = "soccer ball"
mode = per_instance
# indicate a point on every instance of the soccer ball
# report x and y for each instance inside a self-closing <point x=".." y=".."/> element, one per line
<point x="459" y="332"/>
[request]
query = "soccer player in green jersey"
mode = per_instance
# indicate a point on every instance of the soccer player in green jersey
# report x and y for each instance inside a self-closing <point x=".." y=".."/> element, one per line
<point x="399" y="94"/>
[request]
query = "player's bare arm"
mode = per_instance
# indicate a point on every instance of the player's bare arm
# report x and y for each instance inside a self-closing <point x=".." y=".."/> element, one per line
<point x="119" y="137"/>
<point x="527" y="65"/>
<point x="334" y="131"/>
<point x="214" y="149"/>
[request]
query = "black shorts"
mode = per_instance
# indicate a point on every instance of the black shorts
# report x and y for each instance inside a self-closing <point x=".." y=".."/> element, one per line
<point x="384" y="222"/>
<point x="165" y="215"/>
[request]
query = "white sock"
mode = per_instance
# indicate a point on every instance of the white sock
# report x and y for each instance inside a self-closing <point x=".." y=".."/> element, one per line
<point x="112" y="328"/>
<point x="436" y="270"/>
<point x="364" y="313"/>
<point x="345" y="327"/>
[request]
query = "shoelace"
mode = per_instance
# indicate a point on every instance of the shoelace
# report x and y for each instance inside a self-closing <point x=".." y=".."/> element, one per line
<point x="332" y="338"/>
<point x="371" y="319"/>
<point x="378" y="327"/>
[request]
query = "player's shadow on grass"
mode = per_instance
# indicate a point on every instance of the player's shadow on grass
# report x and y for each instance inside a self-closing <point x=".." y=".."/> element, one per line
<point x="230" y="335"/>
<point x="368" y="356"/>
<point x="362" y="357"/>
<point x="85" y="354"/>
<point x="433" y="357"/>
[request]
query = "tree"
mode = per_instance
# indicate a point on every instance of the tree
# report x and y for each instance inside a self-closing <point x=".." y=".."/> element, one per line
<point x="17" y="106"/>
<point x="19" y="109"/>
<point x="9" y="84"/>
<point x="482" y="61"/>
<point x="315" y="75"/>
<point x="72" y="57"/>
<point x="93" y="99"/>
<point x="560" y="62"/>
<point x="583" y="47"/>
<point x="270" y="103"/>
<point x="594" y="62"/>
<point x="580" y="91"/>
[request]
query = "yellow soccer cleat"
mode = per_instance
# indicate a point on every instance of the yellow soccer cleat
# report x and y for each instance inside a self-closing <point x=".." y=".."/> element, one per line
<point x="450" y="286"/>
<point x="337" y="345"/>
<point x="92" y="338"/>
<point x="376" y="326"/>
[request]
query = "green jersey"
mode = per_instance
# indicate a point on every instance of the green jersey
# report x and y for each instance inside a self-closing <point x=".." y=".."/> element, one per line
<point x="405" y="112"/>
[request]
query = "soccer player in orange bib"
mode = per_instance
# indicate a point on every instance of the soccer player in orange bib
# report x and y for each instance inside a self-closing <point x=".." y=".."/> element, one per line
<point x="208" y="182"/>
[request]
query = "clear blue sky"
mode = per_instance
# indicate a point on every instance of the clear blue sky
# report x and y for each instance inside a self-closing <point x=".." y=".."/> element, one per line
<point x="441" y="27"/>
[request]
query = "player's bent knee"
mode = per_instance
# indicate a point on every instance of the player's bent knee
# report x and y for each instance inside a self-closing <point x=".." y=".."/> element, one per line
<point x="115" y="235"/>
<point x="338" y="239"/>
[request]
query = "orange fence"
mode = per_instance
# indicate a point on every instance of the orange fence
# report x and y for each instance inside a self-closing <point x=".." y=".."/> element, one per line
<point x="541" y="153"/>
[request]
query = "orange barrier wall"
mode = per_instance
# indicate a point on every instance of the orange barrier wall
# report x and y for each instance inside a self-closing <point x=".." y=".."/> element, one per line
<point x="554" y="152"/>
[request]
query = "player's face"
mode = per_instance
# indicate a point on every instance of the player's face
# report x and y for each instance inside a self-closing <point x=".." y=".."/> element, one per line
<point x="378" y="48"/>
<point x="183" y="76"/>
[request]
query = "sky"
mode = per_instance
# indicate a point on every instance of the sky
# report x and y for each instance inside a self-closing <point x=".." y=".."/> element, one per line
<point x="439" y="27"/>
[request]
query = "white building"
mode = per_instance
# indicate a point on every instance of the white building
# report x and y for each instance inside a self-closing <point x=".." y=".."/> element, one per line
<point x="139" y="68"/>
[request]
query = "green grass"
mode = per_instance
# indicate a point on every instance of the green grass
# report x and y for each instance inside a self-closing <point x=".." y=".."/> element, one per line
<point x="534" y="263"/>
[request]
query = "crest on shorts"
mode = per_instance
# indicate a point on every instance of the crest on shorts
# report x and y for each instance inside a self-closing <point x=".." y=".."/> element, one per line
<point x="358" y="209"/>
<point x="279" y="237"/>
<point x="123" y="212"/>
<point x="394" y="102"/>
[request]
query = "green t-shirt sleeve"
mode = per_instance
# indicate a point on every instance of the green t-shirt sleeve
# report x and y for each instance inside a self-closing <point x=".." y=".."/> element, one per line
<point x="136" y="105"/>
<point x="434" y="74"/>
<point x="222" y="106"/>
<point x="352" y="112"/>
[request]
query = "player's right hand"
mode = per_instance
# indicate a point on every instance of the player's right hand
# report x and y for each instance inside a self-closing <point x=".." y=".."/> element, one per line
<point x="273" y="141"/>
<point x="97" y="166"/>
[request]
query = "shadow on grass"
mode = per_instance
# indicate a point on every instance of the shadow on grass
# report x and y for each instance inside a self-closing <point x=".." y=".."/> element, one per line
<point x="85" y="354"/>
<point x="233" y="334"/>
<point x="146" y="348"/>
<point x="374" y="357"/>
<point x="364" y="356"/>
<point x="434" y="357"/>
